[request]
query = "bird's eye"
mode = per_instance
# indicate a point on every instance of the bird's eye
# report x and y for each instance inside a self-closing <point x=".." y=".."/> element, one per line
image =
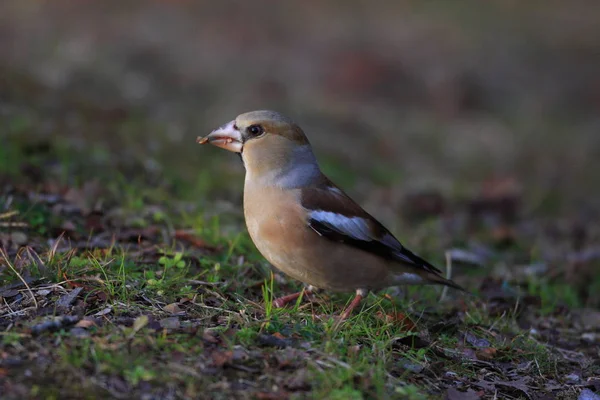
<point x="255" y="130"/>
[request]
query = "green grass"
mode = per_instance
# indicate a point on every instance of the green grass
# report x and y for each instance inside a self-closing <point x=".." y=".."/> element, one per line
<point x="353" y="360"/>
<point x="220" y="294"/>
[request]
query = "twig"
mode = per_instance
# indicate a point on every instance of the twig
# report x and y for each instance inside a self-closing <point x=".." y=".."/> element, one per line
<point x="197" y="282"/>
<point x="448" y="275"/>
<point x="8" y="305"/>
<point x="13" y="224"/>
<point x="17" y="334"/>
<point x="54" y="248"/>
<point x="8" y="214"/>
<point x="18" y="312"/>
<point x="214" y="308"/>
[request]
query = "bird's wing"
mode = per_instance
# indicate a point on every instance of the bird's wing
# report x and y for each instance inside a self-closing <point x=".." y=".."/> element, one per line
<point x="334" y="215"/>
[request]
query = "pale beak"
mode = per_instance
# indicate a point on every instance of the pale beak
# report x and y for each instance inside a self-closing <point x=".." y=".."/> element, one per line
<point x="227" y="137"/>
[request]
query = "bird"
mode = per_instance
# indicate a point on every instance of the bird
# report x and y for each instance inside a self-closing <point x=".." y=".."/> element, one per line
<point x="305" y="225"/>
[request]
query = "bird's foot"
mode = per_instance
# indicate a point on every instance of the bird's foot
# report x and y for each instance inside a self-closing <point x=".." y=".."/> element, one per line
<point x="285" y="300"/>
<point x="360" y="294"/>
<point x="348" y="311"/>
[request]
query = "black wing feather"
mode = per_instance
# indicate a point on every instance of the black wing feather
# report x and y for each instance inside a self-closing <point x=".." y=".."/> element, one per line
<point x="389" y="248"/>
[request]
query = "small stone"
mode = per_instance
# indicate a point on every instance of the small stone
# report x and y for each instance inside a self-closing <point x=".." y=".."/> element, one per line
<point x="19" y="238"/>
<point x="103" y="312"/>
<point x="79" y="332"/>
<point x="589" y="337"/>
<point x="587" y="394"/>
<point x="170" y="323"/>
<point x="410" y="365"/>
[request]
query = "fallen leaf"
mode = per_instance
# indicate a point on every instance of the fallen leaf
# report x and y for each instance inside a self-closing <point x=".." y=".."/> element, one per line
<point x="486" y="354"/>
<point x="172" y="308"/>
<point x="69" y="298"/>
<point x="220" y="358"/>
<point x="139" y="323"/>
<point x="104" y="311"/>
<point x="281" y="395"/>
<point x="210" y="337"/>
<point x="85" y="323"/>
<point x="518" y="385"/>
<point x="398" y="318"/>
<point x="9" y="293"/>
<point x="475" y="341"/>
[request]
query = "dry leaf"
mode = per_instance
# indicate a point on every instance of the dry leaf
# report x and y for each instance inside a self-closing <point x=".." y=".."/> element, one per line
<point x="209" y="337"/>
<point x="398" y="319"/>
<point x="139" y="323"/>
<point x="486" y="354"/>
<point x="272" y="395"/>
<point x="220" y="358"/>
<point x="104" y="311"/>
<point x="85" y="323"/>
<point x="279" y="336"/>
<point x="172" y="308"/>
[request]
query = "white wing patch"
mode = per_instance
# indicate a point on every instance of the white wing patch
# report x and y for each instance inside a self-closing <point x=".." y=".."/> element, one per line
<point x="355" y="227"/>
<point x="407" y="278"/>
<point x="334" y="190"/>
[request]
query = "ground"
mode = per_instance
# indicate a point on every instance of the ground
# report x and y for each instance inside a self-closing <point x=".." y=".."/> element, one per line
<point x="126" y="270"/>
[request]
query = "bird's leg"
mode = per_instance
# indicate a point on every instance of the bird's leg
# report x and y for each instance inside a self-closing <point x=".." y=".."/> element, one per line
<point x="360" y="294"/>
<point x="283" y="301"/>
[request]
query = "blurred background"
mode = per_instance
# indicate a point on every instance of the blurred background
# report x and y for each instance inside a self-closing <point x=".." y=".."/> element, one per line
<point x="471" y="129"/>
<point x="418" y="109"/>
<point x="410" y="95"/>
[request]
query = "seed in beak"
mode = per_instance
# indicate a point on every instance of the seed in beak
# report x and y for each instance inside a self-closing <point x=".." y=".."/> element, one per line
<point x="202" y="140"/>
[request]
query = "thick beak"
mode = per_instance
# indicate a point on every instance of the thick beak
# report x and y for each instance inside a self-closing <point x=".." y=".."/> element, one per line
<point x="227" y="137"/>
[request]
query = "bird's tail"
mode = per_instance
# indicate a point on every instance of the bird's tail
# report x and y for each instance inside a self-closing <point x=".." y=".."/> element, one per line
<point x="440" y="280"/>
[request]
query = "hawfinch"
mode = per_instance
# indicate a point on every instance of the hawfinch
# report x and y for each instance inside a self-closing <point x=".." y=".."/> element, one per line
<point x="305" y="225"/>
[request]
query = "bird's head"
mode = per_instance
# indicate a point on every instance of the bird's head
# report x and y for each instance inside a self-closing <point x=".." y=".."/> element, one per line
<point x="273" y="147"/>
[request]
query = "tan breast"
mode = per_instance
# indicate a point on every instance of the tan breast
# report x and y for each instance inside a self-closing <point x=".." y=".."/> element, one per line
<point x="283" y="237"/>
